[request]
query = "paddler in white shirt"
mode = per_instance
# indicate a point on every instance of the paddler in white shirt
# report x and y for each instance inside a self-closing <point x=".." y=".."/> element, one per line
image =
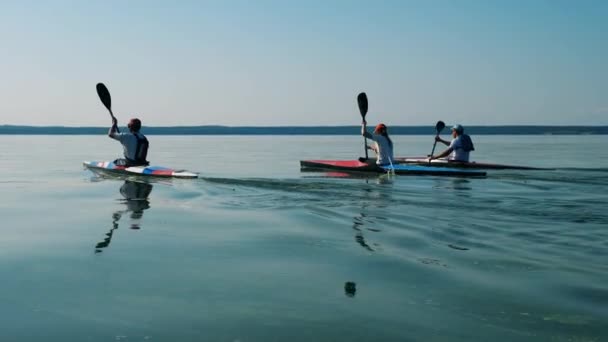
<point x="459" y="148"/>
<point x="383" y="145"/>
<point x="134" y="143"/>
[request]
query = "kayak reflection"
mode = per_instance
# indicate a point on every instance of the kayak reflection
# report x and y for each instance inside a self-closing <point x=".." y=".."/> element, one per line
<point x="136" y="200"/>
<point x="458" y="184"/>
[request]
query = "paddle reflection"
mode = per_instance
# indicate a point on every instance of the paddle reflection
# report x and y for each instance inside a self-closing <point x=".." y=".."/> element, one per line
<point x="374" y="201"/>
<point x="136" y="200"/>
<point x="358" y="223"/>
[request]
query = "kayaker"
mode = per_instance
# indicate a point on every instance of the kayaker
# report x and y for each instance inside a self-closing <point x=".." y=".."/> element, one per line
<point x="459" y="148"/>
<point x="134" y="143"/>
<point x="383" y="145"/>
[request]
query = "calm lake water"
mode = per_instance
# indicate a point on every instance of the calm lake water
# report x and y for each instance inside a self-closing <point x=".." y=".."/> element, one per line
<point x="255" y="250"/>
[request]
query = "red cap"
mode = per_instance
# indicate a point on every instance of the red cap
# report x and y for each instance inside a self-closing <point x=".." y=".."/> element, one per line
<point x="380" y="127"/>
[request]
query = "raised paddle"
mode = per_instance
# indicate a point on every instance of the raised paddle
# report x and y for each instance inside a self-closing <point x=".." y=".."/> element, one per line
<point x="438" y="127"/>
<point x="106" y="99"/>
<point x="362" y="102"/>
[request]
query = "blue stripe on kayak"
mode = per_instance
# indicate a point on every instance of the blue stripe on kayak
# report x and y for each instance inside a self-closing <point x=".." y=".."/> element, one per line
<point x="155" y="168"/>
<point x="110" y="166"/>
<point x="150" y="169"/>
<point x="429" y="169"/>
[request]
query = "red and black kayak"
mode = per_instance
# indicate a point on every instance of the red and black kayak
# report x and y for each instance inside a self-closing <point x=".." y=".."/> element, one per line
<point x="399" y="169"/>
<point x="461" y="165"/>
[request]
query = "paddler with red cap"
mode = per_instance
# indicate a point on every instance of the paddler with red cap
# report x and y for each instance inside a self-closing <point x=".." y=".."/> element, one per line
<point x="134" y="143"/>
<point x="383" y="145"/>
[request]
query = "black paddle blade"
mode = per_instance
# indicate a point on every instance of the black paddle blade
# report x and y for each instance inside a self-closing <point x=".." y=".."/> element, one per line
<point x="104" y="96"/>
<point x="439" y="126"/>
<point x="362" y="101"/>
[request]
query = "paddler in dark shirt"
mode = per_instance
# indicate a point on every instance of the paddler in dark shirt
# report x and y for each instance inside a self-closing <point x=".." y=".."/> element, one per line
<point x="134" y="143"/>
<point x="459" y="148"/>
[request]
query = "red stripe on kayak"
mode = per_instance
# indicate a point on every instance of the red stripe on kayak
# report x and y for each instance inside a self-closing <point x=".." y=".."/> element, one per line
<point x="339" y="163"/>
<point x="162" y="172"/>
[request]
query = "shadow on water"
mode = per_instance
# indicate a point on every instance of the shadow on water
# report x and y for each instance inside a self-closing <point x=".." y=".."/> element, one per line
<point x="135" y="196"/>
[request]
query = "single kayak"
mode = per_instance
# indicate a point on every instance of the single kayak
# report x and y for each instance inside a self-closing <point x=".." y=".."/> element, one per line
<point x="154" y="171"/>
<point x="462" y="165"/>
<point x="400" y="169"/>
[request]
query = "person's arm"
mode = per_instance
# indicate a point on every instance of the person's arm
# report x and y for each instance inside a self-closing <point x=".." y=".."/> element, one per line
<point x="442" y="154"/>
<point x="445" y="142"/>
<point x="364" y="131"/>
<point x="112" y="133"/>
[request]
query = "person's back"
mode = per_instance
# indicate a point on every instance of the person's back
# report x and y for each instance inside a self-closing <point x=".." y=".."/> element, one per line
<point x="461" y="146"/>
<point x="384" y="150"/>
<point x="383" y="144"/>
<point x="135" y="144"/>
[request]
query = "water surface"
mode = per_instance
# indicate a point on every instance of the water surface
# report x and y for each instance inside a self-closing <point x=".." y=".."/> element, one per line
<point x="255" y="250"/>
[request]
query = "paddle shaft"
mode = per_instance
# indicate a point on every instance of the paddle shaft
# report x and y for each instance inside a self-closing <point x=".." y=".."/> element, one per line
<point x="434" y="145"/>
<point x="114" y="120"/>
<point x="438" y="127"/>
<point x="365" y="146"/>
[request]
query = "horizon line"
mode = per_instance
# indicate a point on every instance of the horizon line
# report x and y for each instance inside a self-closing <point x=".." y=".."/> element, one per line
<point x="305" y="130"/>
<point x="305" y="126"/>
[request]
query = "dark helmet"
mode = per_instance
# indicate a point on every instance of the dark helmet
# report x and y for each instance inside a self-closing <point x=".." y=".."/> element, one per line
<point x="134" y="125"/>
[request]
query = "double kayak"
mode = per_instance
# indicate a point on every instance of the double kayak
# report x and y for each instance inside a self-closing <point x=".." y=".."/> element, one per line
<point x="460" y="164"/>
<point x="153" y="171"/>
<point x="399" y="169"/>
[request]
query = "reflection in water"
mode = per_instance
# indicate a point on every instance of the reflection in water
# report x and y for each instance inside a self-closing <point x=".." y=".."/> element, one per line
<point x="461" y="184"/>
<point x="454" y="183"/>
<point x="358" y="223"/>
<point x="136" y="199"/>
<point x="377" y="199"/>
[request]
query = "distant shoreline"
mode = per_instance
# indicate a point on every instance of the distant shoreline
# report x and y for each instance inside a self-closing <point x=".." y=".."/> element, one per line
<point x="307" y="130"/>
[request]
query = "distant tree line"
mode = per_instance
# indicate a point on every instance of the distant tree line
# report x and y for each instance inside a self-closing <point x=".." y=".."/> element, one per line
<point x="306" y="130"/>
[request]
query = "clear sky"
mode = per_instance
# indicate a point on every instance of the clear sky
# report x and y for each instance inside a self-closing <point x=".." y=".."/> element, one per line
<point x="304" y="62"/>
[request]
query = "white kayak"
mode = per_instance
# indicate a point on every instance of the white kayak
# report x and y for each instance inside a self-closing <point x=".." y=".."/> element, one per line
<point x="152" y="171"/>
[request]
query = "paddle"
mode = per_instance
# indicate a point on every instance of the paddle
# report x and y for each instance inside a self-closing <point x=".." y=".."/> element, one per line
<point x="106" y="99"/>
<point x="362" y="102"/>
<point x="438" y="127"/>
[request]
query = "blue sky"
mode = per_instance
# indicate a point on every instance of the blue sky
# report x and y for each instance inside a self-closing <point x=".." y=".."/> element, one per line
<point x="303" y="63"/>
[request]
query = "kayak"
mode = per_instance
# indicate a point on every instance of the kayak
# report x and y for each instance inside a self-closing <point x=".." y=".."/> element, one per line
<point x="400" y="169"/>
<point x="460" y="164"/>
<point x="153" y="171"/>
